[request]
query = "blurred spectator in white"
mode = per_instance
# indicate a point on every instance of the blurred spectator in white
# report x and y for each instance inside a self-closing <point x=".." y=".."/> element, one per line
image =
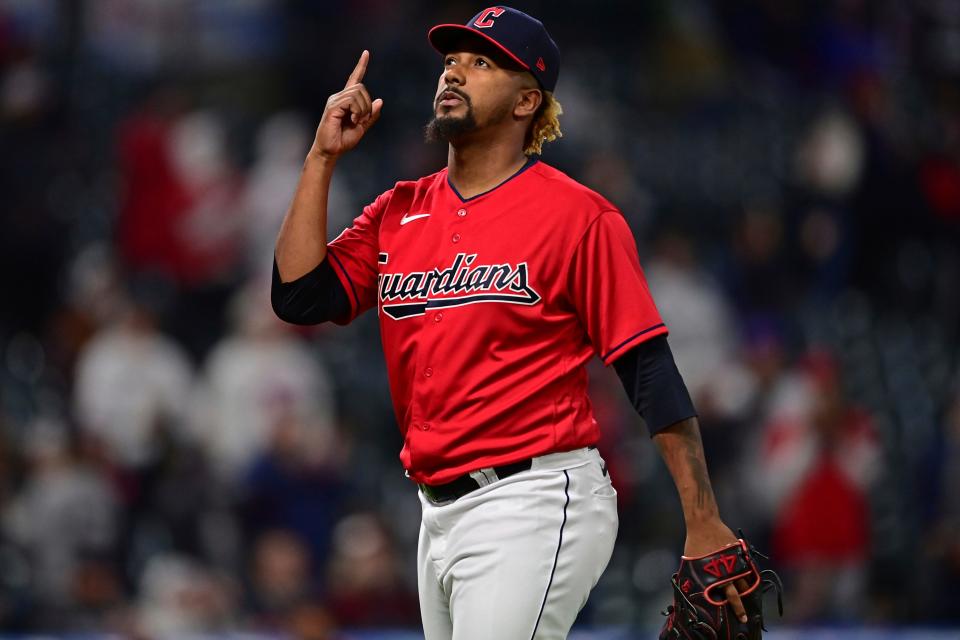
<point x="254" y="378"/>
<point x="65" y="509"/>
<point x="133" y="384"/>
<point x="94" y="288"/>
<point x="365" y="586"/>
<point x="830" y="159"/>
<point x="829" y="163"/>
<point x="702" y="335"/>
<point x="179" y="597"/>
<point x="93" y="298"/>
<point x="281" y="146"/>
<point x="816" y="461"/>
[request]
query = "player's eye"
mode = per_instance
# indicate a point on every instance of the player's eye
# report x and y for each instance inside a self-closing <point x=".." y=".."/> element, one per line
<point x="482" y="63"/>
<point x="448" y="61"/>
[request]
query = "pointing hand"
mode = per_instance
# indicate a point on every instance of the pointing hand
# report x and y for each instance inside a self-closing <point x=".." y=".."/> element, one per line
<point x="348" y="115"/>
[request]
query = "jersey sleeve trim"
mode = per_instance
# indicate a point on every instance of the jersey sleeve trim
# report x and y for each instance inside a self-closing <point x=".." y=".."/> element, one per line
<point x="635" y="339"/>
<point x="345" y="280"/>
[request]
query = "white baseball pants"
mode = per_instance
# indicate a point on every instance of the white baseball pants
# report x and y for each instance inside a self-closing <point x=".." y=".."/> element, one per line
<point x="516" y="560"/>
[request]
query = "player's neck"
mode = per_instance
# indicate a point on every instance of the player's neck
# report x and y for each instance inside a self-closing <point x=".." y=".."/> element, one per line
<point x="478" y="166"/>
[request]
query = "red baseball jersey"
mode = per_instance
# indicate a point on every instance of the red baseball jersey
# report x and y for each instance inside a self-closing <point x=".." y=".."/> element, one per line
<point x="489" y="309"/>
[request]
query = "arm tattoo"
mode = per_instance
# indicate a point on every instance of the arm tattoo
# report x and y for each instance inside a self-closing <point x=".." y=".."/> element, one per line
<point x="682" y="450"/>
<point x="693" y="447"/>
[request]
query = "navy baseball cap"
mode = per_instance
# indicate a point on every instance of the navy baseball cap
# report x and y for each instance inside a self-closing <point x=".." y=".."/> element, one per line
<point x="522" y="38"/>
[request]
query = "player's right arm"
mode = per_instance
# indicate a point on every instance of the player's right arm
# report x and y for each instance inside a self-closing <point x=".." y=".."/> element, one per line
<point x="302" y="241"/>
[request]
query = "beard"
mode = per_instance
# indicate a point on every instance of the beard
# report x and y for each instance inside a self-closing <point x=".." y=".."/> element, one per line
<point x="449" y="128"/>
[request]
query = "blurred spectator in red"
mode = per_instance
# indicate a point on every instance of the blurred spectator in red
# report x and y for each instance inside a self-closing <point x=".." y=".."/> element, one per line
<point x="178" y="214"/>
<point x="207" y="233"/>
<point x="365" y="585"/>
<point x="257" y="376"/>
<point x="817" y="459"/>
<point x="153" y="198"/>
<point x="180" y="193"/>
<point x="940" y="178"/>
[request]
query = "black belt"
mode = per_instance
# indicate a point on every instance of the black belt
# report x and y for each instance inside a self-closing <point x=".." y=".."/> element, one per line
<point x="459" y="487"/>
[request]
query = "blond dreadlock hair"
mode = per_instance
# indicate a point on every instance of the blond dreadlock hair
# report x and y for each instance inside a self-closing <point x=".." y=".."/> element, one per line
<point x="545" y="126"/>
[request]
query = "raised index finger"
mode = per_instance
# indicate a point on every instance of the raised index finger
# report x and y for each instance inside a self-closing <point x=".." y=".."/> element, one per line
<point x="358" y="71"/>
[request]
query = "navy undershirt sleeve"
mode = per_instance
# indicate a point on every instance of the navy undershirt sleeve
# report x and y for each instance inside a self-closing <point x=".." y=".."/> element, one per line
<point x="315" y="297"/>
<point x="655" y="387"/>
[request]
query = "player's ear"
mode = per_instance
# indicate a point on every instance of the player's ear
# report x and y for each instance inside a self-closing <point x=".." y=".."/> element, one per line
<point x="528" y="101"/>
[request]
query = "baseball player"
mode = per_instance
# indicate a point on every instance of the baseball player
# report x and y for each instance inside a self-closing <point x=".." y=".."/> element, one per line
<point x="496" y="279"/>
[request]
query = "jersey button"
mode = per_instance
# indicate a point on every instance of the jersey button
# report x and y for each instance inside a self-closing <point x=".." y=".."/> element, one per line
<point x="428" y="372"/>
<point x="438" y="316"/>
<point x="425" y="427"/>
<point x="455" y="238"/>
<point x="462" y="213"/>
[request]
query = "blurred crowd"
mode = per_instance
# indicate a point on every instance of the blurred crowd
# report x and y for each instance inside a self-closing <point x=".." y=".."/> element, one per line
<point x="174" y="459"/>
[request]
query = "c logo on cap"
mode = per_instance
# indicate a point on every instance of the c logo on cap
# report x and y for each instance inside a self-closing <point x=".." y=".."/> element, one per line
<point x="485" y="20"/>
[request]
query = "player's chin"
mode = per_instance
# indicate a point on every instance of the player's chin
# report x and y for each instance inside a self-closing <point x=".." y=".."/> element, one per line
<point x="444" y="110"/>
<point x="445" y="118"/>
<point x="446" y="126"/>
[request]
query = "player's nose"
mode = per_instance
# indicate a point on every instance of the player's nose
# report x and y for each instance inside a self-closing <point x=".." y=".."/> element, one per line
<point x="453" y="75"/>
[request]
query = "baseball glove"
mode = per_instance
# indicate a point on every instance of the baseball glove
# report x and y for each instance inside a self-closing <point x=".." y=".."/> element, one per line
<point x="700" y="610"/>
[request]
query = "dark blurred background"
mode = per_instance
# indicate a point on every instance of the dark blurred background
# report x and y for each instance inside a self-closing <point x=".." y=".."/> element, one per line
<point x="175" y="460"/>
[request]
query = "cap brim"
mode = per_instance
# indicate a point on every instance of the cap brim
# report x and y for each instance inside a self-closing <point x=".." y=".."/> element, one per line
<point x="444" y="36"/>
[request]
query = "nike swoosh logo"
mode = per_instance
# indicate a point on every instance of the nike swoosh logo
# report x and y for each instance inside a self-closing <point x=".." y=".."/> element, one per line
<point x="408" y="218"/>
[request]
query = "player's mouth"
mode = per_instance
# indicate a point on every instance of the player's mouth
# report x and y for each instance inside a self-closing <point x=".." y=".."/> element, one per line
<point x="450" y="99"/>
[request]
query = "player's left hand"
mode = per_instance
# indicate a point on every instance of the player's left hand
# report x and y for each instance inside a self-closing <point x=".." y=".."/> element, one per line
<point x="703" y="605"/>
<point x="705" y="538"/>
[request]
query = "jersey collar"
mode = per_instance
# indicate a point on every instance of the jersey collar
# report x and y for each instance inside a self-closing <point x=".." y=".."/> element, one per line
<point x="532" y="160"/>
